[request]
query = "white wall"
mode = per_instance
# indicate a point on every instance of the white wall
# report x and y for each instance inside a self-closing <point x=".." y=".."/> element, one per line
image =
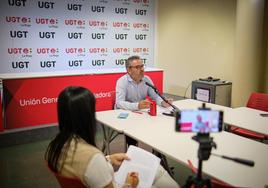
<point x="195" y="40"/>
<point x="249" y="41"/>
<point x="201" y="38"/>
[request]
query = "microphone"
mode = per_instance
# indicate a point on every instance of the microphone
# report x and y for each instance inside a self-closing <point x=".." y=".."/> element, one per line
<point x="150" y="85"/>
<point x="162" y="97"/>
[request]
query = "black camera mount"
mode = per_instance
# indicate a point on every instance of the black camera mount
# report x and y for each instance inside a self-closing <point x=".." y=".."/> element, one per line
<point x="206" y="143"/>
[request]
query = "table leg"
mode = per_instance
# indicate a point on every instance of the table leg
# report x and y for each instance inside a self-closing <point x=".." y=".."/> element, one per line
<point x="164" y="163"/>
<point x="108" y="136"/>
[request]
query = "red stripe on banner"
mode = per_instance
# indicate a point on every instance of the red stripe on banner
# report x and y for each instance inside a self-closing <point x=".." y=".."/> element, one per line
<point x="186" y="127"/>
<point x="32" y="101"/>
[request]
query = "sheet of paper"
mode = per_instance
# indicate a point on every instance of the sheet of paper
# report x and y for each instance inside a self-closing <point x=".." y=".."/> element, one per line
<point x="141" y="161"/>
<point x="202" y="95"/>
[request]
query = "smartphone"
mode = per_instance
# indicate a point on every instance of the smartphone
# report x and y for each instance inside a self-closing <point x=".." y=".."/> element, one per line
<point x="123" y="115"/>
<point x="199" y="121"/>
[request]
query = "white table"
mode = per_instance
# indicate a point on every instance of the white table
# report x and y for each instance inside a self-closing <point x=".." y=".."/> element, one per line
<point x="242" y="117"/>
<point x="195" y="104"/>
<point x="249" y="118"/>
<point x="115" y="125"/>
<point x="158" y="132"/>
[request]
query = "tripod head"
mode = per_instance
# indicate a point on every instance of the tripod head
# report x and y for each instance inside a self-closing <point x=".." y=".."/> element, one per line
<point x="206" y="143"/>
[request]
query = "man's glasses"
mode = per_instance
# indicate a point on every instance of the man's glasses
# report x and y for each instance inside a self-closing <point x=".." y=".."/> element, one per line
<point x="139" y="67"/>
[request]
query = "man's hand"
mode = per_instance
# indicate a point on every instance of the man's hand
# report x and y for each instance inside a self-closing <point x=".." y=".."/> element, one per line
<point x="117" y="158"/>
<point x="144" y="104"/>
<point x="132" y="180"/>
<point x="164" y="104"/>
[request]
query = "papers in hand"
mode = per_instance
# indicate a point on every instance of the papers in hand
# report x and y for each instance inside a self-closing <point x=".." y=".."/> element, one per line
<point x="141" y="161"/>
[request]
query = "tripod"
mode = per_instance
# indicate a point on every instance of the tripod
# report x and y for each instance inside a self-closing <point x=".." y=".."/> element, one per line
<point x="205" y="145"/>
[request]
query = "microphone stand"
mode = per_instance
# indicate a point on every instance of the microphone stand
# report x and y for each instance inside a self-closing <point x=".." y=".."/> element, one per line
<point x="160" y="155"/>
<point x="164" y="99"/>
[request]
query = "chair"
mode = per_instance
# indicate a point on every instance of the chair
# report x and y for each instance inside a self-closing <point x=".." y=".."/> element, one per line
<point x="214" y="182"/>
<point x="67" y="182"/>
<point x="257" y="101"/>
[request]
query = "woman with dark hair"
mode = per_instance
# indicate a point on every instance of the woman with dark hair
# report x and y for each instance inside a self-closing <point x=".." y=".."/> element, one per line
<point x="73" y="152"/>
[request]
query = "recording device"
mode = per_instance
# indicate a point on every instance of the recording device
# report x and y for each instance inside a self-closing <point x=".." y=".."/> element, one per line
<point x="199" y="121"/>
<point x="185" y="121"/>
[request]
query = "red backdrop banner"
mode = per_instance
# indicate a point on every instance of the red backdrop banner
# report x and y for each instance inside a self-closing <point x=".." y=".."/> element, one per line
<point x="32" y="101"/>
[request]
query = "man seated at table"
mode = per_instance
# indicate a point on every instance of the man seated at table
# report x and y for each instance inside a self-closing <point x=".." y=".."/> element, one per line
<point x="131" y="90"/>
<point x="200" y="126"/>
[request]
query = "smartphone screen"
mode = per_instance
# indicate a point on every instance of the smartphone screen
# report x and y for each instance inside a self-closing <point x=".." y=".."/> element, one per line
<point x="199" y="121"/>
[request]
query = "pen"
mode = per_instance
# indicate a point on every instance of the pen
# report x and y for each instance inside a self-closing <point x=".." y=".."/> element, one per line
<point x="137" y="112"/>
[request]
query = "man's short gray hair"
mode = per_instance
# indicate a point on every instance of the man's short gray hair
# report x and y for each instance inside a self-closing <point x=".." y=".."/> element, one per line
<point x="130" y="59"/>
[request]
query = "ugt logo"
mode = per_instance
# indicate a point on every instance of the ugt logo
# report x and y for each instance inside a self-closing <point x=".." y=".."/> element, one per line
<point x="97" y="35"/>
<point x="47" y="35"/>
<point x="140" y="12"/>
<point x="17" y="3"/>
<point x="47" y="64"/>
<point x="75" y="7"/>
<point x="120" y="61"/>
<point x="19" y="50"/>
<point x="121" y="36"/>
<point x="121" y="10"/>
<point x="75" y="22"/>
<point x="98" y="50"/>
<point x="47" y="50"/>
<point x="121" y="50"/>
<point x="140" y="36"/>
<point x="98" y="62"/>
<point x="97" y="8"/>
<point x="20" y="64"/>
<point x="75" y="35"/>
<point x="75" y="63"/>
<point x="17" y="19"/>
<point x="44" y="21"/>
<point x="45" y="4"/>
<point x="18" y="34"/>
<point x="75" y="50"/>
